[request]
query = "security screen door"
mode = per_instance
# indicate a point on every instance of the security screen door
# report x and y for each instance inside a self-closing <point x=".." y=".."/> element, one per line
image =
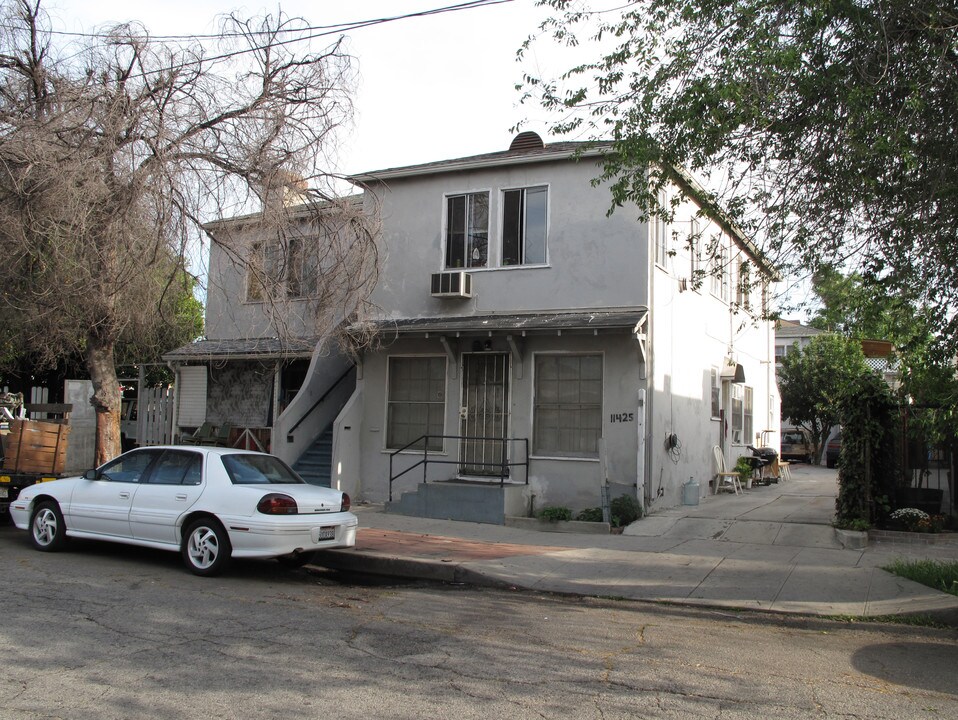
<point x="484" y="412"/>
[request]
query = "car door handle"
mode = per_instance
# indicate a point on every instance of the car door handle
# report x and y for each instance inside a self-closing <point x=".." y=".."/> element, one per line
<point x="125" y="495"/>
<point x="181" y="496"/>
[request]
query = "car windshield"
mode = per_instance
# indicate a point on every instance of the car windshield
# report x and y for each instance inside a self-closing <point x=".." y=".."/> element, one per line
<point x="793" y="438"/>
<point x="259" y="470"/>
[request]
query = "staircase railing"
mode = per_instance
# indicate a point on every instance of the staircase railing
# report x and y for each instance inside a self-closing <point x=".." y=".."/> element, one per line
<point x="503" y="465"/>
<point x="322" y="397"/>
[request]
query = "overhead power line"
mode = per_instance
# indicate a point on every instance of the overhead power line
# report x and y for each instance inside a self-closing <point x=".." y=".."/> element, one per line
<point x="313" y="30"/>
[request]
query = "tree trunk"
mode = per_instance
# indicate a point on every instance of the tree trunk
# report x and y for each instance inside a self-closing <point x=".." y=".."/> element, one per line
<point x="106" y="397"/>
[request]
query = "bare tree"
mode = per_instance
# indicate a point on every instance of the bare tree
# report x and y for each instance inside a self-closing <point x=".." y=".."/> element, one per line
<point x="115" y="151"/>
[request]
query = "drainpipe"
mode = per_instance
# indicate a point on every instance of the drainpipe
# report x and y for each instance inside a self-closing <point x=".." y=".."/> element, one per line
<point x="175" y="415"/>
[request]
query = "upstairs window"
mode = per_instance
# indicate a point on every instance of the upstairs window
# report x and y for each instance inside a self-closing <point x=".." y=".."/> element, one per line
<point x="280" y="269"/>
<point x="524" y="224"/>
<point x="695" y="252"/>
<point x="262" y="272"/>
<point x="467" y="230"/>
<point x="302" y="269"/>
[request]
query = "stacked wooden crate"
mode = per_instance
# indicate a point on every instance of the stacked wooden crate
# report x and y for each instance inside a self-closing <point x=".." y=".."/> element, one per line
<point x="34" y="446"/>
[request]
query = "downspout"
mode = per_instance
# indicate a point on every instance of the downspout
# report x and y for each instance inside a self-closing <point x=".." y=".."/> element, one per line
<point x="175" y="415"/>
<point x="644" y="451"/>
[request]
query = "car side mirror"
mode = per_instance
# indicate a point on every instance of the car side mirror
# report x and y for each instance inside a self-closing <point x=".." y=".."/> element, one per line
<point x="91" y="475"/>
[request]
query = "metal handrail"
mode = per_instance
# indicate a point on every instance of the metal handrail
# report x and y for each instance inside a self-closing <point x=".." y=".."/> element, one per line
<point x="426" y="460"/>
<point x="323" y="397"/>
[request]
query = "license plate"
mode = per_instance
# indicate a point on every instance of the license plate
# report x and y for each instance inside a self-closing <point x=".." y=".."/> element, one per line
<point x="325" y="533"/>
<point x="3" y="492"/>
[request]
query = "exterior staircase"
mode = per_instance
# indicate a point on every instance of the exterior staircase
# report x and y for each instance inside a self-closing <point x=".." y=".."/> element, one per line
<point x="314" y="465"/>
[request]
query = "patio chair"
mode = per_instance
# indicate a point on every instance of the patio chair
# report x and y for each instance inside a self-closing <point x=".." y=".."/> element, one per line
<point x="202" y="436"/>
<point x="725" y="479"/>
<point x="222" y="436"/>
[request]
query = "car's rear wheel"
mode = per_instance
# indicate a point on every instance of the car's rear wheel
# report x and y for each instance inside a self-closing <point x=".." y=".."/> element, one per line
<point x="47" y="529"/>
<point x="206" y="547"/>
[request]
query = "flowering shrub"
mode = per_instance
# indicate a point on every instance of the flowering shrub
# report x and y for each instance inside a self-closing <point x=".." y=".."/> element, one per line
<point x="915" y="520"/>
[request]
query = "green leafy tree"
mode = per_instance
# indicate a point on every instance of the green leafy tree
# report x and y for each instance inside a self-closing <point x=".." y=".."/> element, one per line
<point x="928" y="381"/>
<point x="812" y="380"/>
<point x="868" y="472"/>
<point x="826" y="129"/>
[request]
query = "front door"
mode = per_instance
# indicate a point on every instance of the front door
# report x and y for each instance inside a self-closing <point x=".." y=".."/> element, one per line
<point x="484" y="413"/>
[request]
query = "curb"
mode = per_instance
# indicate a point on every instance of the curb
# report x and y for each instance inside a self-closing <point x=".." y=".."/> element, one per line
<point x="412" y="568"/>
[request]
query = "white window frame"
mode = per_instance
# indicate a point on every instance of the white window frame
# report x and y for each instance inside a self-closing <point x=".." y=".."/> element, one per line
<point x="715" y="398"/>
<point x="522" y="242"/>
<point x="695" y="252"/>
<point x="467" y="256"/>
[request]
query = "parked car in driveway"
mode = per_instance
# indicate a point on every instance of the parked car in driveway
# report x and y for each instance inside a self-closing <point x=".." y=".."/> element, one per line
<point x="209" y="504"/>
<point x="833" y="449"/>
<point x="797" y="445"/>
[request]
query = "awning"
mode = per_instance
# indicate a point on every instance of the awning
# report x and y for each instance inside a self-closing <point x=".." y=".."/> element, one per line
<point x="541" y="322"/>
<point x="245" y="349"/>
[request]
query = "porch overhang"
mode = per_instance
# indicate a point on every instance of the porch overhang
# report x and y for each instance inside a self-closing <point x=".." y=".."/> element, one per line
<point x="203" y="351"/>
<point x="539" y="323"/>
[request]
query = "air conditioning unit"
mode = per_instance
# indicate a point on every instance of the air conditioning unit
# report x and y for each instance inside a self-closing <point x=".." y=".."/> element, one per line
<point x="451" y="285"/>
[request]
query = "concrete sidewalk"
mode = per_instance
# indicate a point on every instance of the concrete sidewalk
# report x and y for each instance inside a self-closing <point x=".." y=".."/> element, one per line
<point x="771" y="548"/>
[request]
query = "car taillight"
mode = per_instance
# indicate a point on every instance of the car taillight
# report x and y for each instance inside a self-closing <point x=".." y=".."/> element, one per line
<point x="346" y="503"/>
<point x="277" y="504"/>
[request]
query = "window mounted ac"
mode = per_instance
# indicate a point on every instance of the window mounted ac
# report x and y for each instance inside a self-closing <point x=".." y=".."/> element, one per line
<point x="451" y="285"/>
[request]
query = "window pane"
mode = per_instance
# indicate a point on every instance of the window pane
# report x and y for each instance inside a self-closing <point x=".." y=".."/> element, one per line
<point x="716" y="406"/>
<point x="478" y="230"/>
<point x="129" y="467"/>
<point x="417" y="401"/>
<point x="568" y="405"/>
<point x="535" y="230"/>
<point x="173" y="466"/>
<point x="455" y="231"/>
<point x="511" y="227"/>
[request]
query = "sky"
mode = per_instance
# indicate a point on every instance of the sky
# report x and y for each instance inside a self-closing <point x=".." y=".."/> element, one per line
<point x="430" y="88"/>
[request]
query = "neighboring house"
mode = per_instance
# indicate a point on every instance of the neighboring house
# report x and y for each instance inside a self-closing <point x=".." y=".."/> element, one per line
<point x="791" y="335"/>
<point x="256" y="363"/>
<point x="536" y="338"/>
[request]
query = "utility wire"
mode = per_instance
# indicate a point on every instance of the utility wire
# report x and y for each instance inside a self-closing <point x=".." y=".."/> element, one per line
<point x="325" y="29"/>
<point x="314" y="31"/>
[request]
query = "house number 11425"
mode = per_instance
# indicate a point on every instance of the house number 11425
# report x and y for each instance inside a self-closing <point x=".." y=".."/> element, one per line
<point x="622" y="417"/>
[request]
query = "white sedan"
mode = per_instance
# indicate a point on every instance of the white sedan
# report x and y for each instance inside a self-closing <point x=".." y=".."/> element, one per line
<point x="210" y="504"/>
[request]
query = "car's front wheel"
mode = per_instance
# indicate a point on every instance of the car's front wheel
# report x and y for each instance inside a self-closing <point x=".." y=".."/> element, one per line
<point x="206" y="547"/>
<point x="47" y="529"/>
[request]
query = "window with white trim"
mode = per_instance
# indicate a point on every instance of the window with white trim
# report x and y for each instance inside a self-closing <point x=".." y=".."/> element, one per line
<point x="416" y="401"/>
<point x="467" y="230"/>
<point x="660" y="241"/>
<point x="524" y="226"/>
<point x="716" y="392"/>
<point x="568" y="405"/>
<point x="741" y="411"/>
<point x="695" y="251"/>
<point x="743" y="287"/>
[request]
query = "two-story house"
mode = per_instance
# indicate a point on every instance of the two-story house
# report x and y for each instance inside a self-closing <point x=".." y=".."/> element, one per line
<point x="529" y="334"/>
<point x="530" y="344"/>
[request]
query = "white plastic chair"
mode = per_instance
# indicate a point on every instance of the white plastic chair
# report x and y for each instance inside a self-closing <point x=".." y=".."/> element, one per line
<point x="725" y="479"/>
